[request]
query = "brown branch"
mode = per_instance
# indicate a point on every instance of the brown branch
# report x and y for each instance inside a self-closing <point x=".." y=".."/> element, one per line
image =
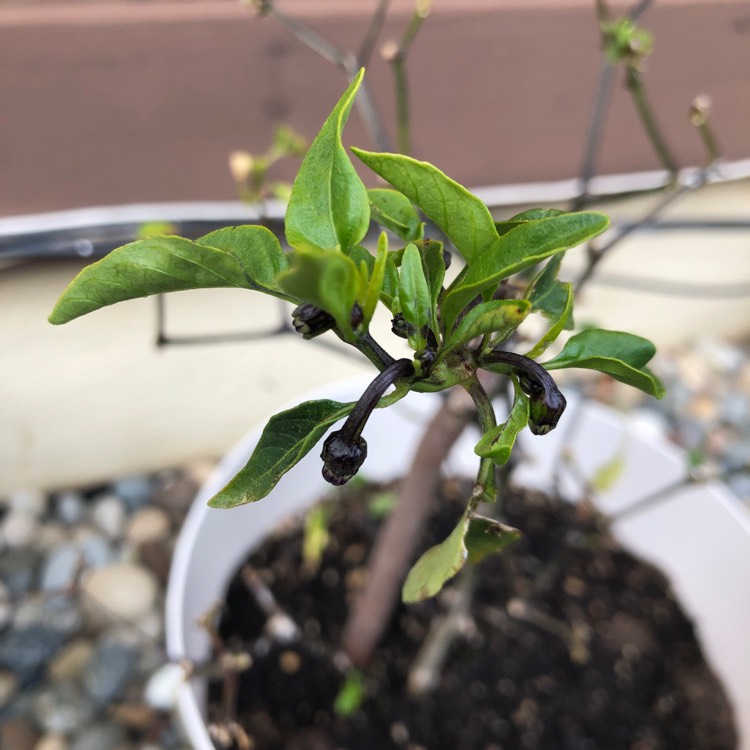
<point x="394" y="546"/>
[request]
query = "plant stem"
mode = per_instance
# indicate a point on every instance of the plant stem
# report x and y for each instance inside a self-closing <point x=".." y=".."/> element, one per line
<point x="395" y="543"/>
<point x="352" y="428"/>
<point x="595" y="131"/>
<point x="484" y="488"/>
<point x="396" y="55"/>
<point x="346" y="61"/>
<point x="635" y="86"/>
<point x="425" y="671"/>
<point x="699" y="110"/>
<point x="373" y="351"/>
<point x="373" y="31"/>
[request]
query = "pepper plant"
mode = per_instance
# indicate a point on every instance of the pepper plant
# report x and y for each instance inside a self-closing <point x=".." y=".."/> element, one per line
<point x="455" y="329"/>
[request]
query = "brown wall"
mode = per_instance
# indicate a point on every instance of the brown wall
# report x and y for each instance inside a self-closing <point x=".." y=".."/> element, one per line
<point x="121" y="103"/>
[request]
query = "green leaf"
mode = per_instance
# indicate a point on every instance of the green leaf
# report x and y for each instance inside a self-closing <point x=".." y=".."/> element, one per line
<point x="315" y="537"/>
<point x="548" y="295"/>
<point x="497" y="444"/>
<point x="286" y="439"/>
<point x="497" y="315"/>
<point x="520" y="248"/>
<point x="532" y="214"/>
<point x="437" y="566"/>
<point x="258" y="251"/>
<point x="350" y="695"/>
<point x="391" y="281"/>
<point x="433" y="265"/>
<point x="621" y="355"/>
<point x="609" y="473"/>
<point x="473" y="539"/>
<point x="394" y="211"/>
<point x="326" y="278"/>
<point x="565" y="315"/>
<point x="328" y="208"/>
<point x="463" y="218"/>
<point x="485" y="536"/>
<point x="145" y="267"/>
<point x="414" y="296"/>
<point x="554" y="299"/>
<point x="377" y="275"/>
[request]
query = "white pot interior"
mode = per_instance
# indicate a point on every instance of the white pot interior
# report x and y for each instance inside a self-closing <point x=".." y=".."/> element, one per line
<point x="698" y="535"/>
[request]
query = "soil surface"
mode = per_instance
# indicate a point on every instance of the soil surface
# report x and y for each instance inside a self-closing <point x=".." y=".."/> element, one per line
<point x="571" y="644"/>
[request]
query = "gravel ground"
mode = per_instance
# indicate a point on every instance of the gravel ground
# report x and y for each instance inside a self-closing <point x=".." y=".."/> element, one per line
<point x="82" y="572"/>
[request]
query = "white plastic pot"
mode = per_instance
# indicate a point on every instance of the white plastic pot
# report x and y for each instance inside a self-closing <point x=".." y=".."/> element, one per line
<point x="699" y="535"/>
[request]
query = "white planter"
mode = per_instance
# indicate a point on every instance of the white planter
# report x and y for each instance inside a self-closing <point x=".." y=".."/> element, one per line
<point x="699" y="536"/>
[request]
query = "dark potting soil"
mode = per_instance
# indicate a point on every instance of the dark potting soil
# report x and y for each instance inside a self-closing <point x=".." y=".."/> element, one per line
<point x="573" y="645"/>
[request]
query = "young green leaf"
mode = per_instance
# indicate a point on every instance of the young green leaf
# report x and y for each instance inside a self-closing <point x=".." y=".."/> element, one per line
<point x="328" y="208"/>
<point x="554" y="299"/>
<point x="350" y="695"/>
<point x="389" y="292"/>
<point x="258" y="251"/>
<point x="327" y="279"/>
<point x="609" y="473"/>
<point x="377" y="275"/>
<point x="286" y="439"/>
<point x="433" y="264"/>
<point x="437" y="566"/>
<point x="548" y="295"/>
<point x="464" y="219"/>
<point x="497" y="444"/>
<point x="315" y="537"/>
<point x="485" y="536"/>
<point x="616" y="353"/>
<point x="564" y="316"/>
<point x="414" y="297"/>
<point x="520" y="248"/>
<point x="497" y="315"/>
<point x="145" y="267"/>
<point x="473" y="538"/>
<point x="394" y="211"/>
<point x="532" y="214"/>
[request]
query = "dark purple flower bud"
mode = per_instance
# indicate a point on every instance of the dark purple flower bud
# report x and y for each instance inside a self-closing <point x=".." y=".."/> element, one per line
<point x="342" y="458"/>
<point x="400" y="327"/>
<point x="311" y="321"/>
<point x="546" y="402"/>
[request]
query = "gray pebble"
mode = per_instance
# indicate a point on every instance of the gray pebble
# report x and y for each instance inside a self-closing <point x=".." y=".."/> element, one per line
<point x="108" y="515"/>
<point x="28" y="500"/>
<point x="96" y="551"/>
<point x="99" y="736"/>
<point x="60" y="568"/>
<point x="58" y="612"/>
<point x="18" y="569"/>
<point x="19" y="528"/>
<point x="737" y="454"/>
<point x="26" y="652"/>
<point x="71" y="507"/>
<point x="134" y="491"/>
<point x="6" y="606"/>
<point x="8" y="687"/>
<point x="109" y="669"/>
<point x="63" y="708"/>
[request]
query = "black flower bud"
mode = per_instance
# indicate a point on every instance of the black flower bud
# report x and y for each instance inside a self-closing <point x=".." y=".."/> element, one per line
<point x="342" y="458"/>
<point x="400" y="327"/>
<point x="546" y="402"/>
<point x="311" y="321"/>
